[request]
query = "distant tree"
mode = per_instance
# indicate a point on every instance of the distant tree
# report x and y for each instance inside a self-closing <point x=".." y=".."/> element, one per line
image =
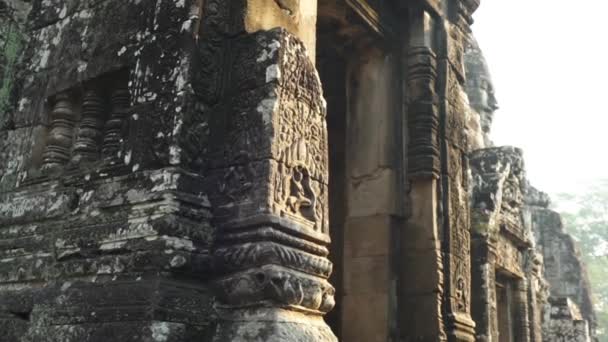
<point x="585" y="216"/>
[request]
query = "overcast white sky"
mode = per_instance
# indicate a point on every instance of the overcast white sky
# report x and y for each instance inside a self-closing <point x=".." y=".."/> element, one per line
<point x="549" y="64"/>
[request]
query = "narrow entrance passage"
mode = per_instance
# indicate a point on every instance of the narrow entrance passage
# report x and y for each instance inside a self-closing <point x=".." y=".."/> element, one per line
<point x="332" y="69"/>
<point x="503" y="311"/>
<point x="360" y="84"/>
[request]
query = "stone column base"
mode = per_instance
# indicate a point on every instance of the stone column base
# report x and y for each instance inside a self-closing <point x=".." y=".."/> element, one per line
<point x="271" y="325"/>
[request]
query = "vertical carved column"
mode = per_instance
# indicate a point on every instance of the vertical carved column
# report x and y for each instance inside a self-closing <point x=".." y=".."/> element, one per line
<point x="113" y="136"/>
<point x="59" y="142"/>
<point x="483" y="304"/>
<point x="521" y="318"/>
<point x="421" y="240"/>
<point x="423" y="149"/>
<point x="88" y="139"/>
<point x="268" y="182"/>
<point x="537" y="294"/>
<point x="455" y="210"/>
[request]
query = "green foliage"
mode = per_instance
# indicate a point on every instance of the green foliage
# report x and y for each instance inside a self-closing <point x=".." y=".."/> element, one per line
<point x="585" y="217"/>
<point x="11" y="43"/>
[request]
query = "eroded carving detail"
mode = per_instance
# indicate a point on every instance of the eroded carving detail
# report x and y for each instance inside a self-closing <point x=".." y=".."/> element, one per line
<point x="88" y="139"/>
<point x="295" y="192"/>
<point x="246" y="256"/>
<point x="423" y="151"/>
<point x="498" y="225"/>
<point x="238" y="180"/>
<point x="59" y="143"/>
<point x="271" y="257"/>
<point x="277" y="285"/>
<point x="114" y="129"/>
<point x="480" y="91"/>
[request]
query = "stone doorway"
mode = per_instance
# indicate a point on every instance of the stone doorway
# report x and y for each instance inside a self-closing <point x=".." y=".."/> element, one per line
<point x="360" y="83"/>
<point x="504" y="309"/>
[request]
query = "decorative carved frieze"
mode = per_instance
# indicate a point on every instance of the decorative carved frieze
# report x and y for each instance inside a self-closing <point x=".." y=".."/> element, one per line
<point x="59" y="142"/>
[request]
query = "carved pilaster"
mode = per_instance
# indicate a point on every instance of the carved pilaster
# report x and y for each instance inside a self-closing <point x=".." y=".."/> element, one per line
<point x="113" y="136"/>
<point x="59" y="142"/>
<point x="538" y="291"/>
<point x="484" y="284"/>
<point x="423" y="150"/>
<point x="421" y="242"/>
<point x="269" y="180"/>
<point x="521" y="318"/>
<point x="90" y="132"/>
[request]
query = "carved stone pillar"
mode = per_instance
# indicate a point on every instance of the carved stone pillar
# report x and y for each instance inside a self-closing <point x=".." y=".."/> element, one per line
<point x="455" y="208"/>
<point x="90" y="132"/>
<point x="521" y="318"/>
<point x="483" y="280"/>
<point x="422" y="257"/>
<point x="112" y="140"/>
<point x="423" y="149"/>
<point x="268" y="170"/>
<point x="269" y="176"/>
<point x="59" y="143"/>
<point x="538" y="289"/>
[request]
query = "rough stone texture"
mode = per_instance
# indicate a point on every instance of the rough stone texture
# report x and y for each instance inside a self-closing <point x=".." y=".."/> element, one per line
<point x="501" y="246"/>
<point x="564" y="322"/>
<point x="544" y="273"/>
<point x="107" y="248"/>
<point x="570" y="306"/>
<point x="166" y="175"/>
<point x="455" y="183"/>
<point x="480" y="91"/>
<point x="269" y="184"/>
<point x="437" y="241"/>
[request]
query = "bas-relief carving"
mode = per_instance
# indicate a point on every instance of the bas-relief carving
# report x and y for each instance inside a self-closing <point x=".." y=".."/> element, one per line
<point x="498" y="192"/>
<point x="460" y="238"/>
<point x="509" y="257"/>
<point x="271" y="254"/>
<point x="296" y="182"/>
<point x="497" y="204"/>
<point x="302" y="169"/>
<point x="280" y="119"/>
<point x="498" y="188"/>
<point x="480" y="91"/>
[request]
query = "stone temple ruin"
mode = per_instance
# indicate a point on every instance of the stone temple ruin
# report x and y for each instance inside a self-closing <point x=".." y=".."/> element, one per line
<point x="267" y="170"/>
